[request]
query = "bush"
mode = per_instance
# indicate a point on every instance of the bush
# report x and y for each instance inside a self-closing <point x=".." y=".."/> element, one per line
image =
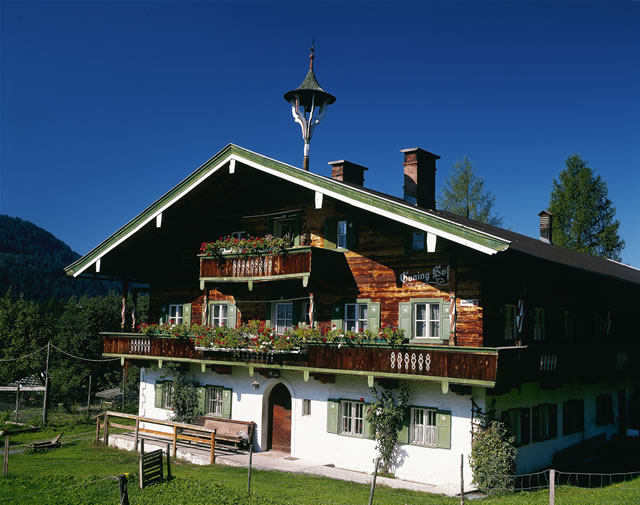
<point x="493" y="459"/>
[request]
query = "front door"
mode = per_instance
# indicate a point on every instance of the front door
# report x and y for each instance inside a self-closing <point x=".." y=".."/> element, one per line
<point x="280" y="419"/>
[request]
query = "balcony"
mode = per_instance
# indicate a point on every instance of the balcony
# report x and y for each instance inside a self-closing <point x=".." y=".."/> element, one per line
<point x="456" y="365"/>
<point x="293" y="263"/>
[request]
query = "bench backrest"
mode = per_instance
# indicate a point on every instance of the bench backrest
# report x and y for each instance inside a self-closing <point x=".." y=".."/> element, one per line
<point x="226" y="427"/>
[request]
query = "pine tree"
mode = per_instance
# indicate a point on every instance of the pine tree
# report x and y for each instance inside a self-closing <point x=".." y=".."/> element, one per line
<point x="464" y="194"/>
<point x="583" y="214"/>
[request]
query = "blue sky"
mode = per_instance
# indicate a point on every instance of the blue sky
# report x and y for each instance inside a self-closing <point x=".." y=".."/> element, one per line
<point x="107" y="105"/>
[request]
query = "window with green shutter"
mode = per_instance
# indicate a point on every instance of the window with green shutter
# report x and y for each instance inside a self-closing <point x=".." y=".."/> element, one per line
<point x="357" y="315"/>
<point x="427" y="426"/>
<point x="176" y="313"/>
<point x="163" y="394"/>
<point x="222" y="313"/>
<point x="333" y="416"/>
<point x="340" y="233"/>
<point x="425" y="319"/>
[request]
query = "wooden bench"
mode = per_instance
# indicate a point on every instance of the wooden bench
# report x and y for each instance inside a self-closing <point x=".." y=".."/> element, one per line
<point x="231" y="431"/>
<point x="54" y="443"/>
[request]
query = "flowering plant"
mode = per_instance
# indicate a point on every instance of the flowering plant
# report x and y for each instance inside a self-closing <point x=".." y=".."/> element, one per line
<point x="256" y="335"/>
<point x="249" y="245"/>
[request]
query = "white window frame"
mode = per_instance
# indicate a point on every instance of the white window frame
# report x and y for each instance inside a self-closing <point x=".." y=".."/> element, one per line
<point x="359" y="323"/>
<point x="218" y="320"/>
<point x="538" y="324"/>
<point x="238" y="234"/>
<point x="424" y="430"/>
<point x="214" y="400"/>
<point x="341" y="233"/>
<point x="510" y="326"/>
<point x="281" y="325"/>
<point x="428" y="322"/>
<point x="352" y="418"/>
<point x="176" y="317"/>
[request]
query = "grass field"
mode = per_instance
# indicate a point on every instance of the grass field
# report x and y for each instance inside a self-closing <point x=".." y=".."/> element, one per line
<point x="81" y="473"/>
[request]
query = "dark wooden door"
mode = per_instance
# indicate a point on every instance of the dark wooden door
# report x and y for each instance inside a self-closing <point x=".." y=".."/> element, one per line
<point x="280" y="419"/>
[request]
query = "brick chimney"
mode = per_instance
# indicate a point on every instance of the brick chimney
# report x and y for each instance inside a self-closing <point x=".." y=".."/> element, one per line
<point x="546" y="226"/>
<point x="346" y="171"/>
<point x="420" y="177"/>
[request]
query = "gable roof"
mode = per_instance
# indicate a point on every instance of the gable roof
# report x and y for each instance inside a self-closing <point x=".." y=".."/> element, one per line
<point x="482" y="237"/>
<point x="377" y="203"/>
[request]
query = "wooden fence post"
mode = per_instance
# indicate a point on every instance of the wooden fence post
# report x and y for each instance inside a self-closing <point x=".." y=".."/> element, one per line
<point x="106" y="429"/>
<point x="373" y="482"/>
<point x="169" y="462"/>
<point x="17" y="401"/>
<point x="97" y="429"/>
<point x="135" y="442"/>
<point x="250" y="463"/>
<point x="175" y="442"/>
<point x="124" y="494"/>
<point x="552" y="487"/>
<point x="140" y="461"/>
<point x="461" y="479"/>
<point x="5" y="463"/>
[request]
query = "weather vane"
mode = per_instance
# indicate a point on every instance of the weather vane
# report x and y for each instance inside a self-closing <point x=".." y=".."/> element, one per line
<point x="308" y="105"/>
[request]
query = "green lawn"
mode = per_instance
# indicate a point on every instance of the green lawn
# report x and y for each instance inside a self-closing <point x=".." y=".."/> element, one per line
<point x="81" y="473"/>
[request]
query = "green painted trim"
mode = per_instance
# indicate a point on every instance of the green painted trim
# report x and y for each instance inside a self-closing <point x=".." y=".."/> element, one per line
<point x="201" y="173"/>
<point x="389" y="375"/>
<point x="255" y="279"/>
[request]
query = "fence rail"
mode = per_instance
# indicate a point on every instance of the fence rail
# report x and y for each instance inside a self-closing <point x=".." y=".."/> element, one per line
<point x="193" y="432"/>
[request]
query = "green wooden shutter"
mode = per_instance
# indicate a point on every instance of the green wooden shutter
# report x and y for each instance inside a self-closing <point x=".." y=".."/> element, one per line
<point x="367" y="428"/>
<point x="403" y="432"/>
<point x="443" y="424"/>
<point x="164" y="318"/>
<point x="337" y="314"/>
<point x="202" y="399"/>
<point x="267" y="316"/>
<point x="404" y="319"/>
<point x="373" y="311"/>
<point x="186" y="314"/>
<point x="333" y="416"/>
<point x="444" y="320"/>
<point x="525" y="426"/>
<point x="535" y="423"/>
<point x="330" y="233"/>
<point x="295" y="311"/>
<point x="352" y="234"/>
<point x="232" y="316"/>
<point x="158" y="401"/>
<point x="226" y="403"/>
<point x="553" y="420"/>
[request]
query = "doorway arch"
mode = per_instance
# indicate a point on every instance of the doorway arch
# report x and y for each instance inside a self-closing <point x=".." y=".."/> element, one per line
<point x="279" y="421"/>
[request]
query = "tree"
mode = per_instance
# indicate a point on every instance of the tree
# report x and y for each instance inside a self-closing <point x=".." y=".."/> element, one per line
<point x="583" y="214"/>
<point x="493" y="459"/>
<point x="464" y="194"/>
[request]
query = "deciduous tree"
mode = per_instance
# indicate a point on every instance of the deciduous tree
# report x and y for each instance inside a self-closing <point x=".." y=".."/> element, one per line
<point x="464" y="194"/>
<point x="583" y="214"/>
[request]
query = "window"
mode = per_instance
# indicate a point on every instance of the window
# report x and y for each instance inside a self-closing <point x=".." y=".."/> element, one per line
<point x="417" y="241"/>
<point x="545" y="422"/>
<point x="352" y="418"/>
<point x="509" y="322"/>
<point x="517" y="422"/>
<point x="164" y="395"/>
<point x="219" y="314"/>
<point x="214" y="401"/>
<point x="426" y="320"/>
<point x="308" y="316"/>
<point x="342" y="234"/>
<point x="423" y="427"/>
<point x="239" y="234"/>
<point x="285" y="228"/>
<point x="356" y="316"/>
<point x="572" y="417"/>
<point x="604" y="410"/>
<point x="283" y="317"/>
<point x="538" y="324"/>
<point x="175" y="314"/>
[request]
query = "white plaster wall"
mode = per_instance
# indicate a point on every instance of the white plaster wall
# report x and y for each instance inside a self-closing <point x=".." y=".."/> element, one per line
<point x="309" y="437"/>
<point x="538" y="455"/>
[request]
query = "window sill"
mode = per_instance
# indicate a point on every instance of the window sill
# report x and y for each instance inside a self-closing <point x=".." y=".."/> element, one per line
<point x="430" y="341"/>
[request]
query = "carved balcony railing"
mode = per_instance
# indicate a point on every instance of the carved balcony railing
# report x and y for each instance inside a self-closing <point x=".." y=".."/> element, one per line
<point x="290" y="264"/>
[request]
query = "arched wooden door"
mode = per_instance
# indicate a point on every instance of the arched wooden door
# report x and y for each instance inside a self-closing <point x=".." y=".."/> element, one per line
<point x="280" y="419"/>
